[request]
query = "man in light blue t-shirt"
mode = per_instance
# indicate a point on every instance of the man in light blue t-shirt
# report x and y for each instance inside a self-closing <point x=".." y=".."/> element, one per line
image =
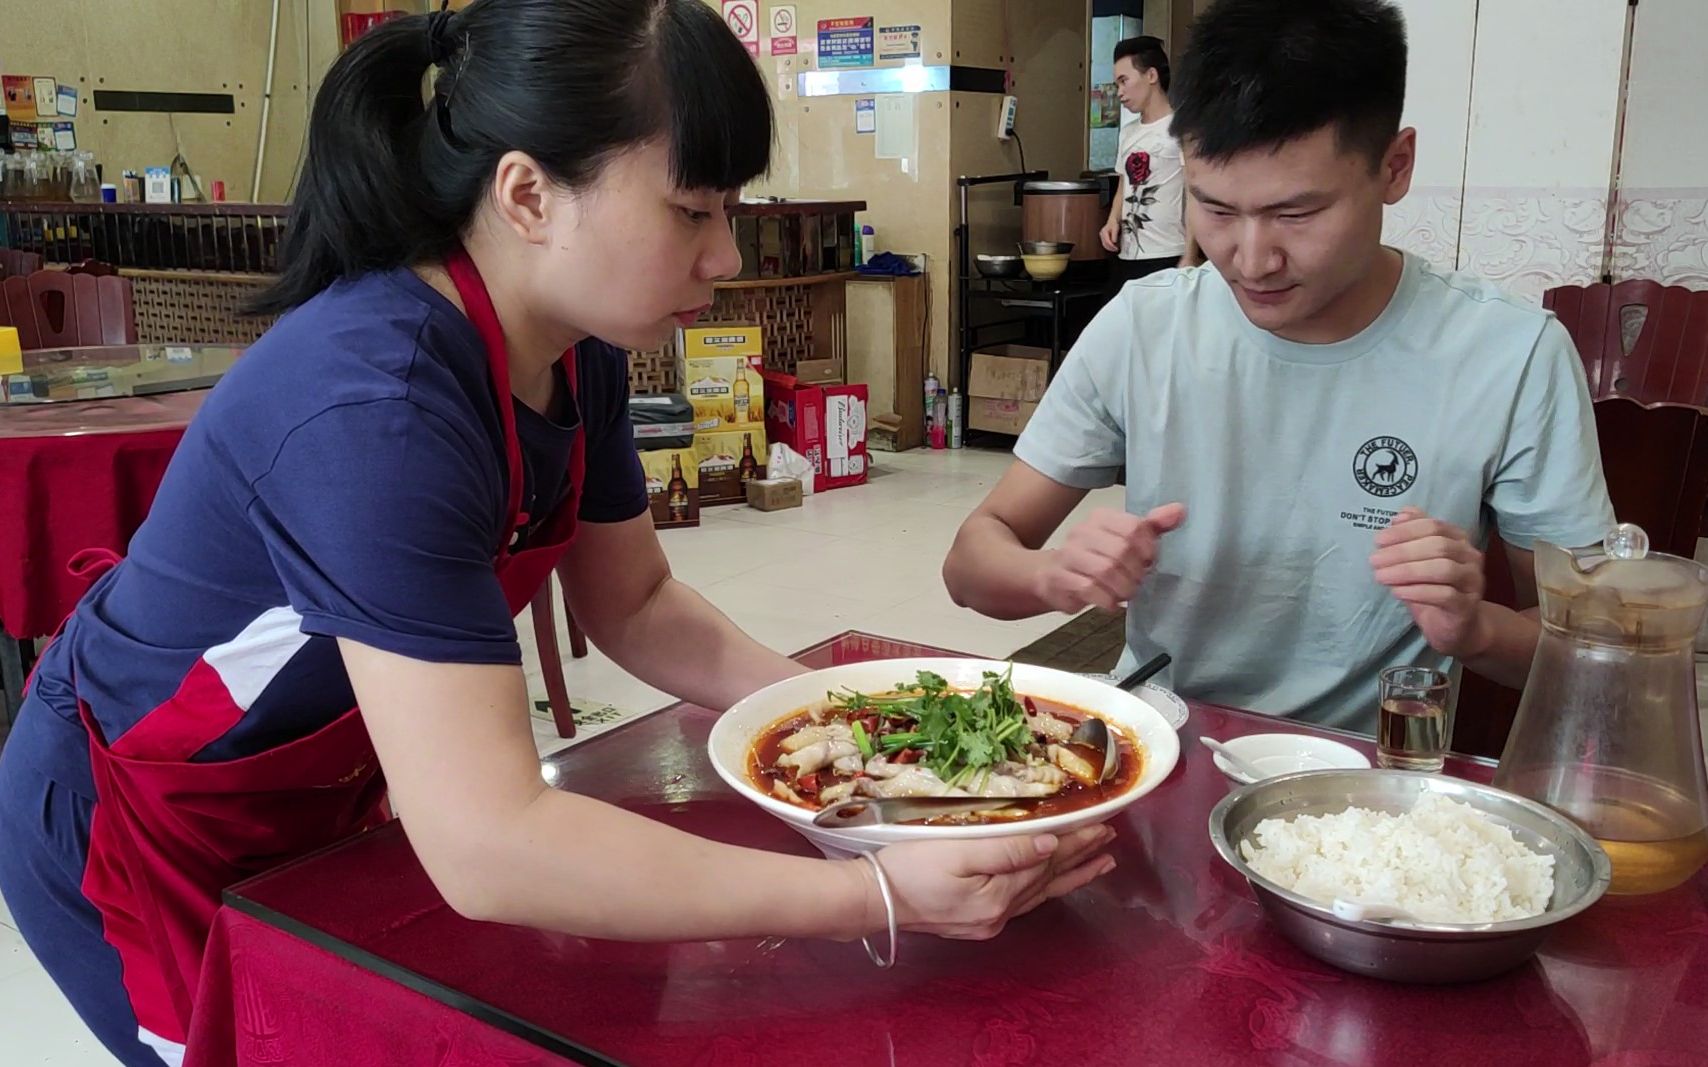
<point x="1319" y="433"/>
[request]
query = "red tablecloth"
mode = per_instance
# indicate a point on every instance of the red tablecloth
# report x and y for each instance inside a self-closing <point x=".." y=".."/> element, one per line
<point x="75" y="476"/>
<point x="351" y="956"/>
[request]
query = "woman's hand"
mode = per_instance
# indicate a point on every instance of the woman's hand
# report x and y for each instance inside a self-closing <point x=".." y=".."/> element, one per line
<point x="970" y="889"/>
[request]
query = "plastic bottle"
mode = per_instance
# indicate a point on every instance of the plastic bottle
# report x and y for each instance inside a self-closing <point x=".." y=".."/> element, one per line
<point x="931" y="387"/>
<point x="940" y="420"/>
<point x="868" y="243"/>
<point x="954" y="418"/>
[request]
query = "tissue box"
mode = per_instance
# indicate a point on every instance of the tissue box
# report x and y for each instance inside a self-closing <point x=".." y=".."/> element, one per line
<point x="727" y="461"/>
<point x="774" y="494"/>
<point x="824" y="423"/>
<point x="672" y="487"/>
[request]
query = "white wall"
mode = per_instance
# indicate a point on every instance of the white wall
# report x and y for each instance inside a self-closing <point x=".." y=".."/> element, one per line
<point x="1661" y="213"/>
<point x="1544" y="105"/>
<point x="1441" y="35"/>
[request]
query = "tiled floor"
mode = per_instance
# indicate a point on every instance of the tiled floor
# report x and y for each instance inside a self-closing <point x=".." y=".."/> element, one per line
<point x="866" y="558"/>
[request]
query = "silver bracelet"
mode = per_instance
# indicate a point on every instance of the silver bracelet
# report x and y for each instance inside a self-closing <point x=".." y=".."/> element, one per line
<point x="889" y="910"/>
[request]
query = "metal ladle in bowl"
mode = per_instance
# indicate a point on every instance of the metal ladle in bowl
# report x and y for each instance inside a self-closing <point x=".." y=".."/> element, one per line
<point x="1094" y="733"/>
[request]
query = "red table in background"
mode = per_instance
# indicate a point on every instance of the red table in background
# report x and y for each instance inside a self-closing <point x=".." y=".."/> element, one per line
<point x="350" y="956"/>
<point x="79" y="474"/>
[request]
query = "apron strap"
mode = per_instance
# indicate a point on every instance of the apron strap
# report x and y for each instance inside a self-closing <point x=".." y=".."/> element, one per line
<point x="477" y="303"/>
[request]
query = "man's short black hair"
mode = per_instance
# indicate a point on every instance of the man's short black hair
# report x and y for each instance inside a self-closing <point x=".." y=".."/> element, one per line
<point x="1147" y="53"/>
<point x="1260" y="73"/>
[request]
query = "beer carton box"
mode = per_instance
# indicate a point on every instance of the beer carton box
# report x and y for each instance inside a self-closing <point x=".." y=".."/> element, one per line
<point x="824" y="423"/>
<point x="727" y="460"/>
<point x="720" y="374"/>
<point x="672" y="487"/>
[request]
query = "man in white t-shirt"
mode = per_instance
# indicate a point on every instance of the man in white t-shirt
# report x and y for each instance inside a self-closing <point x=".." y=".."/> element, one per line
<point x="1147" y="222"/>
<point x="1319" y="433"/>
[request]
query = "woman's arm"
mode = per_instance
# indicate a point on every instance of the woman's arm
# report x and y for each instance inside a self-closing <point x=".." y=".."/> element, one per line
<point x="460" y="761"/>
<point x="618" y="583"/>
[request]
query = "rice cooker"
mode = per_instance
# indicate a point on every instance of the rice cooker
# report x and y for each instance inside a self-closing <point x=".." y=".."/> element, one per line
<point x="1072" y="210"/>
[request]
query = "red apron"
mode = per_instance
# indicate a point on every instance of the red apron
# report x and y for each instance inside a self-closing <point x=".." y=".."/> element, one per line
<point x="169" y="835"/>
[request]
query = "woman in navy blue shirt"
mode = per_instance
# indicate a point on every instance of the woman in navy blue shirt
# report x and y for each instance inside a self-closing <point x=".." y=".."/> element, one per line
<point x="365" y="502"/>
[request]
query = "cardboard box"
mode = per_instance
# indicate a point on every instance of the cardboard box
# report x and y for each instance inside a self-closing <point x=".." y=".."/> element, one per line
<point x="819" y="372"/>
<point x="721" y="339"/>
<point x="1010" y="372"/>
<point x="720" y="374"/>
<point x="824" y="423"/>
<point x="774" y="494"/>
<point x="999" y="416"/>
<point x="672" y="487"/>
<point x="727" y="460"/>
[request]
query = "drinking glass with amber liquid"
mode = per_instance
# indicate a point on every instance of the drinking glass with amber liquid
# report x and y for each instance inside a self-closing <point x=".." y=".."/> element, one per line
<point x="1413" y="727"/>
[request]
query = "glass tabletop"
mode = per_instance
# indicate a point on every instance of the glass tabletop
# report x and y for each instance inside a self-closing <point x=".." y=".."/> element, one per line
<point x="62" y="375"/>
<point x="1166" y="960"/>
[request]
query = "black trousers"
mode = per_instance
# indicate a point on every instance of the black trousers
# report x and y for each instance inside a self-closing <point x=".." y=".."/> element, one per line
<point x="1122" y="271"/>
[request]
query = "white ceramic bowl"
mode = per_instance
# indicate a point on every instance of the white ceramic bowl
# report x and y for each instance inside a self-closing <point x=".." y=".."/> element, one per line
<point x="735" y="731"/>
<point x="1278" y="754"/>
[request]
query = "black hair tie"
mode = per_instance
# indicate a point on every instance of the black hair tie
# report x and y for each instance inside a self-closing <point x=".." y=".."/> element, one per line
<point x="441" y="43"/>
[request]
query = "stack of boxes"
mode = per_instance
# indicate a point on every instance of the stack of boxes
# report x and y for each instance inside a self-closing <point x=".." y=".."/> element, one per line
<point x="825" y="423"/>
<point x="1006" y="383"/>
<point x="709" y="446"/>
<point x="721" y="374"/>
<point x="664" y="433"/>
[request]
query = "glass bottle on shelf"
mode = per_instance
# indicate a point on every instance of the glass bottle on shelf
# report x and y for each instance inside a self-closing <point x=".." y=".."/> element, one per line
<point x="749" y="466"/>
<point x="677" y="491"/>
<point x="742" y="396"/>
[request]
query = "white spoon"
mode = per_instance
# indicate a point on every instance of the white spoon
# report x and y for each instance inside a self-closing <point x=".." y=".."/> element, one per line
<point x="1239" y="764"/>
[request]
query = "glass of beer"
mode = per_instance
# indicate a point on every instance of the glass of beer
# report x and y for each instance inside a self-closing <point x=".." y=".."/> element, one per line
<point x="1413" y="728"/>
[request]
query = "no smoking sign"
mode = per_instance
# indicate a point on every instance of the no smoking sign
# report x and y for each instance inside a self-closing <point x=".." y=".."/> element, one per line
<point x="742" y="17"/>
<point x="783" y="41"/>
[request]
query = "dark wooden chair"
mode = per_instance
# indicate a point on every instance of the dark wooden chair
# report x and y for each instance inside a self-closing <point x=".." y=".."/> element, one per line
<point x="95" y="267"/>
<point x="551" y="660"/>
<point x="55" y="309"/>
<point x="1645" y="353"/>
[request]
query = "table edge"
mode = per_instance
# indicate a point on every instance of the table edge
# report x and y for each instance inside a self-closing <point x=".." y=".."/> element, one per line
<point x="378" y="965"/>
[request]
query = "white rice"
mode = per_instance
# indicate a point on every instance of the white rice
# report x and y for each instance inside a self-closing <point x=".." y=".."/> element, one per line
<point x="1443" y="861"/>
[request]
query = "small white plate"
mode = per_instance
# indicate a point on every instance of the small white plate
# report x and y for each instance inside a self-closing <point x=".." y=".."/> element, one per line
<point x="1167" y="701"/>
<point x="1276" y="754"/>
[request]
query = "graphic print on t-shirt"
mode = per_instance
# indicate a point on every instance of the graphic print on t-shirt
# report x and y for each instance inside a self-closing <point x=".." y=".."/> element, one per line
<point x="1385" y="467"/>
<point x="1140" y="196"/>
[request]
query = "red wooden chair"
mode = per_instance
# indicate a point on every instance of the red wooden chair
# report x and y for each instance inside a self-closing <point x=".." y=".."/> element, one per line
<point x="16" y="264"/>
<point x="54" y="309"/>
<point x="551" y="660"/>
<point x="1645" y="353"/>
<point x="1638" y="339"/>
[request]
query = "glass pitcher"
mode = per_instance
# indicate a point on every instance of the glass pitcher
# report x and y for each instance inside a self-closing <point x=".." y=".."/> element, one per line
<point x="1607" y="730"/>
<point x="84" y="186"/>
